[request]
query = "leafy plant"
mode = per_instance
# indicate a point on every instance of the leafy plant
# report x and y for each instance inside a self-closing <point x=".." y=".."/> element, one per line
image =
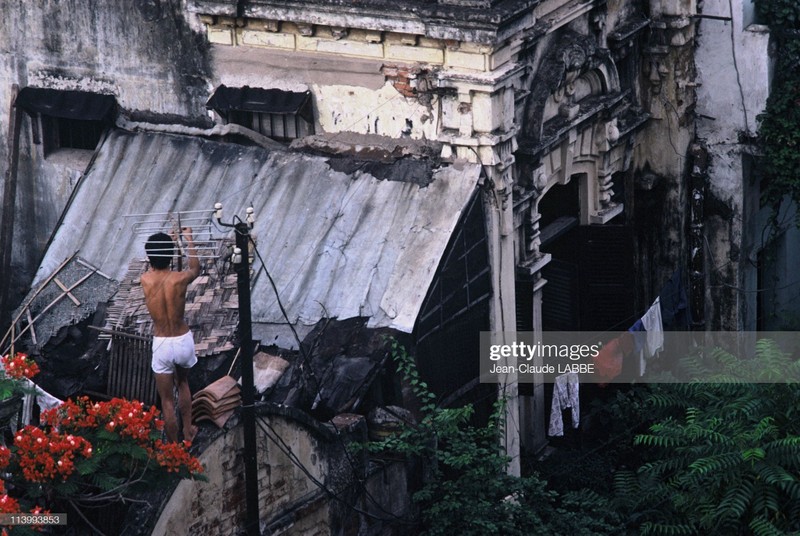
<point x="91" y="454"/>
<point x="779" y="128"/>
<point x="466" y="488"/>
<point x="17" y="367"/>
<point x="779" y="13"/>
<point x="724" y="458"/>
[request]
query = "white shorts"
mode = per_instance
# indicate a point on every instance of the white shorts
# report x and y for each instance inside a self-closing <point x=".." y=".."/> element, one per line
<point x="169" y="352"/>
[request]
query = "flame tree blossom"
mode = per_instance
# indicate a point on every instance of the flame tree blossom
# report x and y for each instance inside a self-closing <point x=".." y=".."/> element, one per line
<point x="90" y="453"/>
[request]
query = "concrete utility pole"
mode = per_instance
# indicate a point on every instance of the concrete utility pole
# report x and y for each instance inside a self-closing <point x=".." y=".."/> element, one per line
<point x="241" y="258"/>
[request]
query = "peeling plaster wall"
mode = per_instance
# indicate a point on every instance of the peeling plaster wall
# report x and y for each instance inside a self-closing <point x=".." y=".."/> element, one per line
<point x="385" y="112"/>
<point x="733" y="85"/>
<point x="378" y="93"/>
<point x="144" y="53"/>
<point x="217" y="507"/>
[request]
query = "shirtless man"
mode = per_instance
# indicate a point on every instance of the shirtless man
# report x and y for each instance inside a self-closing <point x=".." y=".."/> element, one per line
<point x="173" y="344"/>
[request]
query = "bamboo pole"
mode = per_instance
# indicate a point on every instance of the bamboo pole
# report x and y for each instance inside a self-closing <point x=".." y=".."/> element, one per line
<point x="36" y="293"/>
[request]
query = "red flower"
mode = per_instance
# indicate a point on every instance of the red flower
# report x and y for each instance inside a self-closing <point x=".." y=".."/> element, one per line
<point x="5" y="457"/>
<point x="45" y="455"/>
<point x="175" y="456"/>
<point x="19" y="366"/>
<point x="127" y="419"/>
<point x="8" y="505"/>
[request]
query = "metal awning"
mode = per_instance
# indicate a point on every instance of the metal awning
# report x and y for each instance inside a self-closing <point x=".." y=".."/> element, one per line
<point x="66" y="104"/>
<point x="252" y="99"/>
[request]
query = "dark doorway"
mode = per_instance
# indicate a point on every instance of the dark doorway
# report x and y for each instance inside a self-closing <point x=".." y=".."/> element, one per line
<point x="590" y="279"/>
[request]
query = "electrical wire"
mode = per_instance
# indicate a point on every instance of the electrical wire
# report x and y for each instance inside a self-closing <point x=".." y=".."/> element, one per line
<point x="287" y="451"/>
<point x="736" y="68"/>
<point x="307" y="364"/>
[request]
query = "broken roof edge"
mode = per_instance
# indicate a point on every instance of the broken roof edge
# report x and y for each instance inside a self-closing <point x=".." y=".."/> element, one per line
<point x="83" y="284"/>
<point x="217" y="131"/>
<point x="368" y="146"/>
<point x="280" y="335"/>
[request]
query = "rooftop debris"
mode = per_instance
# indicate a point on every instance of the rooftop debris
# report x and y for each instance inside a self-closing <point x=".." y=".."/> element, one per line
<point x="217" y="402"/>
<point x="67" y="296"/>
<point x="339" y="362"/>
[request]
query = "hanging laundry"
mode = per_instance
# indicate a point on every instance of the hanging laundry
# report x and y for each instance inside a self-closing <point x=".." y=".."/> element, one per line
<point x="639" y="335"/>
<point x="608" y="362"/>
<point x="42" y="398"/>
<point x="565" y="396"/>
<point x="655" y="330"/>
<point x="675" y="312"/>
<point x="639" y="342"/>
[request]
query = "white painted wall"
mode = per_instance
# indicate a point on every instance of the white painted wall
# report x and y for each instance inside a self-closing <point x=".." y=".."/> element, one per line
<point x="733" y="73"/>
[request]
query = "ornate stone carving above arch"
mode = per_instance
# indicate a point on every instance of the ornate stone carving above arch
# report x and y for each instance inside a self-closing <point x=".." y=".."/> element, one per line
<point x="572" y="69"/>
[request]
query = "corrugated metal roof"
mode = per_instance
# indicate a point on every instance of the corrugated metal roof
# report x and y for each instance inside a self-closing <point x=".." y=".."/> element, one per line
<point x="337" y="245"/>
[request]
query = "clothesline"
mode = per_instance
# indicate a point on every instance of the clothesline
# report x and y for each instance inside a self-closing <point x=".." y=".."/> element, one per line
<point x="644" y="338"/>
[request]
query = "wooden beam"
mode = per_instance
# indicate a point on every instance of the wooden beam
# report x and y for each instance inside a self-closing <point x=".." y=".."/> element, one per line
<point x="69" y="294"/>
<point x="30" y="323"/>
<point x="121" y="333"/>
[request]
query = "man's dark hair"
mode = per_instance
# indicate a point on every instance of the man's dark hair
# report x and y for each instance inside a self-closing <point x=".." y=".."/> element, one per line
<point x="160" y="249"/>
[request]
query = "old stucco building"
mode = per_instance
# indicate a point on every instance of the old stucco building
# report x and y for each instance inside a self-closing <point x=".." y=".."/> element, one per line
<point x="591" y="124"/>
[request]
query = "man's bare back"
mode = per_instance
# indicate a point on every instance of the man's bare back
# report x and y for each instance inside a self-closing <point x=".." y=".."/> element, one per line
<point x="165" y="294"/>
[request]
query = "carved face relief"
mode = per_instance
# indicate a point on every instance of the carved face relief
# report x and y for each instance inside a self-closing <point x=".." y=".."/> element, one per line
<point x="574" y="58"/>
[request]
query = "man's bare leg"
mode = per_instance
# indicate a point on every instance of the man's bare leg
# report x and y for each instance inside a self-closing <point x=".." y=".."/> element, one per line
<point x="164" y="387"/>
<point x="185" y="402"/>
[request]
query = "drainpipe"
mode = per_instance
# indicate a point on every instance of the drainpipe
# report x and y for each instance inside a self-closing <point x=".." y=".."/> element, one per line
<point x="697" y="244"/>
<point x="9" y="202"/>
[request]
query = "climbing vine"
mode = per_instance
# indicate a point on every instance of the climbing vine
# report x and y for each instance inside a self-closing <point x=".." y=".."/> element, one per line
<point x="779" y="129"/>
<point x="465" y="489"/>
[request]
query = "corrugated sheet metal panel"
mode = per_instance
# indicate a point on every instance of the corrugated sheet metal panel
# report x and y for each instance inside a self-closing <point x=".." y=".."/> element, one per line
<point x="338" y="245"/>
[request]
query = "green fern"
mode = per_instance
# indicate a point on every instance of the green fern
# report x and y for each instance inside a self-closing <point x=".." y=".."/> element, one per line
<point x="723" y="457"/>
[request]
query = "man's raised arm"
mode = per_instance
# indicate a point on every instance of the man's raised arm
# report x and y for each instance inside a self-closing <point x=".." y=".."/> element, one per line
<point x="193" y="269"/>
